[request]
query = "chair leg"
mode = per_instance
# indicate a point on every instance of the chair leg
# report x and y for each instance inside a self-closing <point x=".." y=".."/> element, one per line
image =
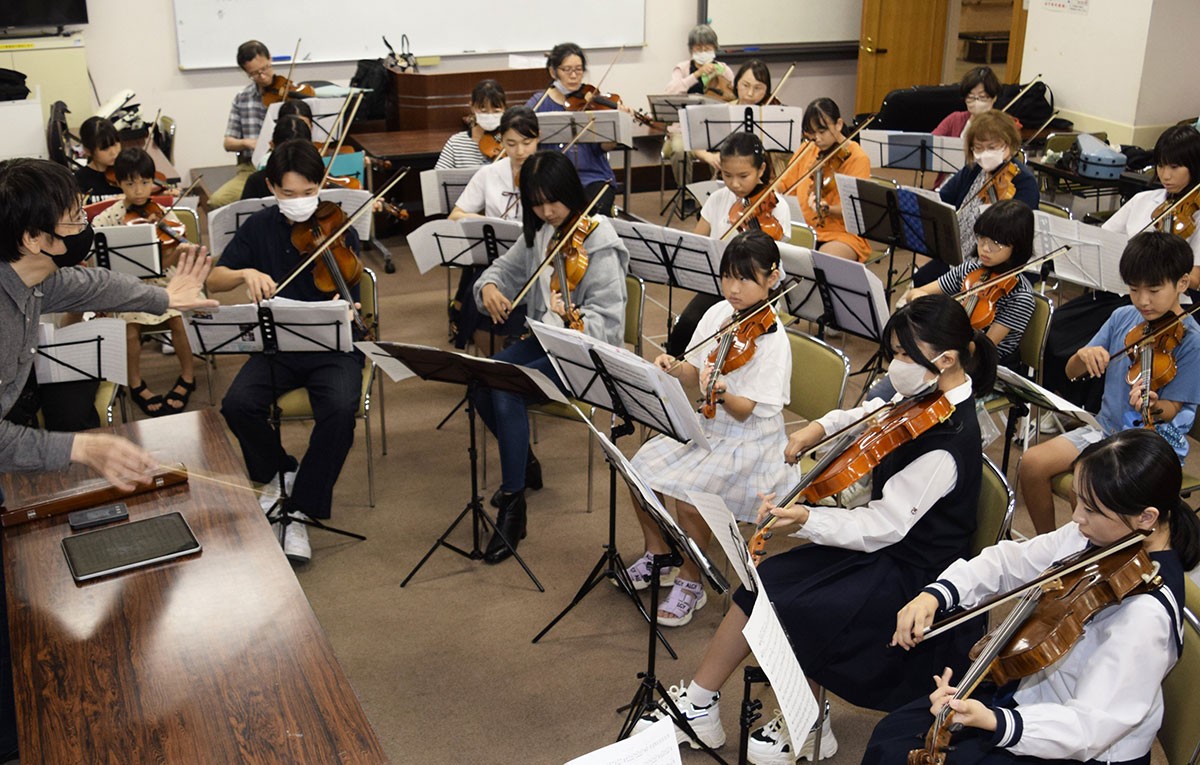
<point x="370" y="460"/>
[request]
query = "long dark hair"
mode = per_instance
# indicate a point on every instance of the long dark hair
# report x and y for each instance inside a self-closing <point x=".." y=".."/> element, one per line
<point x="548" y="176"/>
<point x="1135" y="469"/>
<point x="559" y="53"/>
<point x="743" y="144"/>
<point x="941" y="322"/>
<point x="821" y="113"/>
<point x="760" y="72"/>
<point x="1180" y="145"/>
<point x="750" y="255"/>
<point x="1009" y="222"/>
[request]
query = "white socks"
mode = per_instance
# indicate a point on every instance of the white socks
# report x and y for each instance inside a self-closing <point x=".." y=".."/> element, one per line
<point x="700" y="696"/>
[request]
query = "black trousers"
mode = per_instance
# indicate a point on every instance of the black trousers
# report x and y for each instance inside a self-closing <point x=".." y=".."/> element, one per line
<point x="66" y="407"/>
<point x="334" y="384"/>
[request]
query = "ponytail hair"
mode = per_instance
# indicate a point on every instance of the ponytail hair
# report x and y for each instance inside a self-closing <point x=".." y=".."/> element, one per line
<point x="1135" y="469"/>
<point x="941" y="322"/>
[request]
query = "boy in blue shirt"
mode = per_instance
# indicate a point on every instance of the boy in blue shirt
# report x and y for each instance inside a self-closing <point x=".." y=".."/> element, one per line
<point x="1155" y="265"/>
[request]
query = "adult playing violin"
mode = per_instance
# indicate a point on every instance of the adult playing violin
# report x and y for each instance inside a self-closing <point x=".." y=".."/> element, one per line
<point x="246" y="117"/>
<point x="567" y="65"/>
<point x="837" y="595"/>
<point x="1102" y="701"/>
<point x="752" y="86"/>
<point x="260" y="256"/>
<point x="992" y="174"/>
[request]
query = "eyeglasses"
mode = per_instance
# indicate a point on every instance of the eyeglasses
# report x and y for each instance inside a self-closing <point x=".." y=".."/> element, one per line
<point x="989" y="245"/>
<point x="571" y="69"/>
<point x="266" y="71"/>
<point x="977" y="99"/>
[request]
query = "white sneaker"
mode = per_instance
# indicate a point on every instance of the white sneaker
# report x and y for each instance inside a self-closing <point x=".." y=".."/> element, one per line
<point x="295" y="541"/>
<point x="772" y="743"/>
<point x="1048" y="423"/>
<point x="705" y="721"/>
<point x="270" y="490"/>
<point x="168" y="349"/>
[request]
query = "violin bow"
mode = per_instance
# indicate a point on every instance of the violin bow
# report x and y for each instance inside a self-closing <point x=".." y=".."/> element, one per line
<point x="1038" y="132"/>
<point x="336" y="120"/>
<point x="800" y="153"/>
<point x="557" y="249"/>
<point x="1154" y="223"/>
<point x="1012" y="272"/>
<point x="782" y="80"/>
<point x="291" y="68"/>
<point x="738" y="320"/>
<point x="578" y="135"/>
<point x="1135" y="537"/>
<point x="607" y="71"/>
<point x="341" y="138"/>
<point x="320" y="249"/>
<point x="1037" y="77"/>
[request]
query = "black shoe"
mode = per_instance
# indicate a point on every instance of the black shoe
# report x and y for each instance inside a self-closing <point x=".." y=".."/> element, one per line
<point x="533" y="472"/>
<point x="510" y="524"/>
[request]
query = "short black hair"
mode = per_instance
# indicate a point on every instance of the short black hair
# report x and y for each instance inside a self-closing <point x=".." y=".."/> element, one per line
<point x="559" y="53"/>
<point x="548" y="176"/>
<point x="760" y="72"/>
<point x="250" y="50"/>
<point x="289" y="127"/>
<point x="1180" y="145"/>
<point x="488" y="93"/>
<point x="1153" y="258"/>
<point x="821" y="113"/>
<point x="98" y="133"/>
<point x="295" y="107"/>
<point x="295" y="156"/>
<point x="521" y="119"/>
<point x="750" y="255"/>
<point x="941" y="322"/>
<point x="980" y="75"/>
<point x="743" y="144"/>
<point x="1009" y="222"/>
<point x="133" y="163"/>
<point x="34" y="196"/>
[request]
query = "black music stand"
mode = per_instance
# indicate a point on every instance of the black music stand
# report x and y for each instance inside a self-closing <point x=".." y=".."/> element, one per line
<point x="922" y="152"/>
<point x="855" y="303"/>
<point x="666" y="109"/>
<point x="473" y="372"/>
<point x="618" y="382"/>
<point x="263" y="336"/>
<point x="1024" y="394"/>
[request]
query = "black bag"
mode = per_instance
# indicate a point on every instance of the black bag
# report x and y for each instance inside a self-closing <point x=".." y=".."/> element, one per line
<point x="372" y="77"/>
<point x="12" y="86"/>
<point x="1034" y="108"/>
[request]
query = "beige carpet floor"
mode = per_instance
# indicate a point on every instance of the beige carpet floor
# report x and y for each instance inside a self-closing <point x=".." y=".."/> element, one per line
<point x="445" y="667"/>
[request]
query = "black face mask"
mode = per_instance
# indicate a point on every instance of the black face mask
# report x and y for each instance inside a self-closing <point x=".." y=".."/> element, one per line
<point x="78" y="247"/>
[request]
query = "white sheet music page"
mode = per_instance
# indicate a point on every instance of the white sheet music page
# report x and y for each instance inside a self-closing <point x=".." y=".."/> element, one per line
<point x="654" y="746"/>
<point x="724" y="527"/>
<point x="93" y="348"/>
<point x="847" y="186"/>
<point x="770" y="644"/>
<point x="1044" y="398"/>
<point x="392" y="366"/>
<point x="322" y="325"/>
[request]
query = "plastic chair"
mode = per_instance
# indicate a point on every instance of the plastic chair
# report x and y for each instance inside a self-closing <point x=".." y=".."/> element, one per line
<point x="1033" y="345"/>
<point x="1180" y="731"/>
<point x="802" y="234"/>
<point x="995" y="512"/>
<point x="296" y="406"/>
<point x="819" y="374"/>
<point x="635" y="311"/>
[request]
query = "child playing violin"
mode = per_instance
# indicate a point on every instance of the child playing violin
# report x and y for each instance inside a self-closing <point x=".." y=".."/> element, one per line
<point x="552" y="201"/>
<point x="752" y="84"/>
<point x="287" y="128"/>
<point x="246" y="117"/>
<point x="134" y="169"/>
<point x="835" y="596"/>
<point x="992" y="173"/>
<point x="1003" y="242"/>
<point x="463" y="148"/>
<point x="493" y="192"/>
<point x="822" y="209"/>
<point x="1155" y="266"/>
<point x="260" y="256"/>
<point x="567" y="65"/>
<point x="1102" y="701"/>
<point x="746" y="172"/>
<point x="746" y="432"/>
<point x="102" y="145"/>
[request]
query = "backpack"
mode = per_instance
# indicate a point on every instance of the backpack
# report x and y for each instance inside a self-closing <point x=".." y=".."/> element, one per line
<point x="372" y="76"/>
<point x="12" y="86"/>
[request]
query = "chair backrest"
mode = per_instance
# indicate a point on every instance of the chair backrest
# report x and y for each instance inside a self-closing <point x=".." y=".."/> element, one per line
<point x="1060" y="142"/>
<point x="1180" y="731"/>
<point x="995" y="511"/>
<point x="819" y="373"/>
<point x="191" y="224"/>
<point x="166" y="136"/>
<point x="1033" y="342"/>
<point x="635" y="311"/>
<point x="802" y="234"/>
<point x="1057" y="210"/>
<point x="368" y="297"/>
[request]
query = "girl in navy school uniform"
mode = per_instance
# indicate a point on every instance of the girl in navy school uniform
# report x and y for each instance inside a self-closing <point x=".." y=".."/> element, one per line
<point x="836" y="596"/>
<point x="746" y="434"/>
<point x="567" y="64"/>
<point x="1102" y="702"/>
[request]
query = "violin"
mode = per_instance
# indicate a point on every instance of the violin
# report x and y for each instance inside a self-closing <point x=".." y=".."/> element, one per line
<point x="763" y="218"/>
<point x="1151" y="349"/>
<point x="1179" y="216"/>
<point x="828" y="165"/>
<point x="283" y="89"/>
<point x="570" y="263"/>
<point x="733" y="352"/>
<point x="338" y="269"/>
<point x="169" y="234"/>
<point x="999" y="186"/>
<point x="983" y="289"/>
<point x="1046" y="623"/>
<point x="588" y="98"/>
<point x="489" y="145"/>
<point x="851" y="457"/>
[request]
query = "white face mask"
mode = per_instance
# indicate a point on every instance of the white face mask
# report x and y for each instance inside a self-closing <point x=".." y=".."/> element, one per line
<point x="979" y="107"/>
<point x="704" y="57"/>
<point x="488" y="121"/>
<point x="561" y="88"/>
<point x="991" y="159"/>
<point x="299" y="209"/>
<point x="908" y="377"/>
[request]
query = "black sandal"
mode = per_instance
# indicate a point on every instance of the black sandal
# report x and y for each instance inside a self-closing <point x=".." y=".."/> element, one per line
<point x="144" y="403"/>
<point x="182" y="398"/>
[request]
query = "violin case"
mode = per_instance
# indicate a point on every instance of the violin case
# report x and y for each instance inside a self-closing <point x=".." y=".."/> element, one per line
<point x="1093" y="158"/>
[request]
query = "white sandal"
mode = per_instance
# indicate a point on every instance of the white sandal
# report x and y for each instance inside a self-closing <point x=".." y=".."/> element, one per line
<point x="685" y="599"/>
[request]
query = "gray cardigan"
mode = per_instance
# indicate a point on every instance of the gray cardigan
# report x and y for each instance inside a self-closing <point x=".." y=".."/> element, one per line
<point x="600" y="295"/>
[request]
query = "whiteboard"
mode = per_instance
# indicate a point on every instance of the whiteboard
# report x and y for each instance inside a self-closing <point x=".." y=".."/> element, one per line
<point x="209" y="31"/>
<point x="782" y="22"/>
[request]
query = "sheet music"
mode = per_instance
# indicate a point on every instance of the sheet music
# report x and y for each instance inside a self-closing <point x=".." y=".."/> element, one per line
<point x="608" y="126"/>
<point x="1026" y="389"/>
<point x="654" y="746"/>
<point x="132" y="250"/>
<point x="855" y="292"/>
<point x="695" y="260"/>
<point x="302" y="326"/>
<point x="391" y="366"/>
<point x="769" y="642"/>
<point x="645" y="244"/>
<point x="440" y="189"/>
<point x="81" y="351"/>
<point x="903" y="150"/>
<point x="852" y="214"/>
<point x="669" y="108"/>
<point x="706" y="126"/>
<point x="1094" y="260"/>
<point x="724" y="526"/>
<point x="445" y="242"/>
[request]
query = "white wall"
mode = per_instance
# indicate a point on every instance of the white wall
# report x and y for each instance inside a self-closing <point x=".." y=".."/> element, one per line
<point x="141" y="55"/>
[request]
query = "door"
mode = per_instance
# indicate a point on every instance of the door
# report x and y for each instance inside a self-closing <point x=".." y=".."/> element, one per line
<point x="902" y="44"/>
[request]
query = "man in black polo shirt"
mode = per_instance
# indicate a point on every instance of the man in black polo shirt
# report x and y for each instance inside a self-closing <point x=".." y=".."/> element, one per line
<point x="260" y="256"/>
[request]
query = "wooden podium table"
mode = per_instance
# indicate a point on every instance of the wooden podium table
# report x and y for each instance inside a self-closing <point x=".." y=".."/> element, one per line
<point x="215" y="657"/>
